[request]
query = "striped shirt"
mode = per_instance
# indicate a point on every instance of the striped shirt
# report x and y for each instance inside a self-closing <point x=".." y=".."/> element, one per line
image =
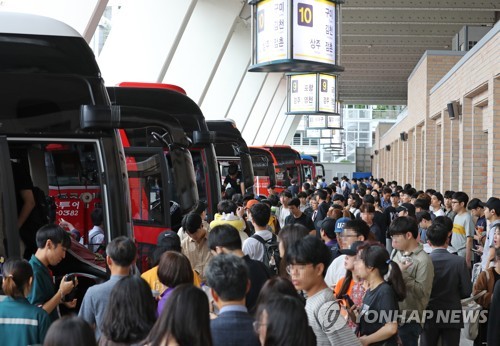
<point x="330" y="328"/>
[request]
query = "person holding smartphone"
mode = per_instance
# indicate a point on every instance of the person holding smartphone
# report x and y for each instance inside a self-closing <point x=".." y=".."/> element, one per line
<point x="350" y="288"/>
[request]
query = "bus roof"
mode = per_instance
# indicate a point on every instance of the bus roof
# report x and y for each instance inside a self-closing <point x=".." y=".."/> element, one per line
<point x="30" y="24"/>
<point x="180" y="106"/>
<point x="33" y="44"/>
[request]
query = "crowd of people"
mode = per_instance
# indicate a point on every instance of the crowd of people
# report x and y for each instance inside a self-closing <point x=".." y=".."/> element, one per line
<point x="355" y="262"/>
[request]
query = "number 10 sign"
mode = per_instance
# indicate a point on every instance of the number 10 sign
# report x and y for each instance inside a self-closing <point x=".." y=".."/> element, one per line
<point x="295" y="35"/>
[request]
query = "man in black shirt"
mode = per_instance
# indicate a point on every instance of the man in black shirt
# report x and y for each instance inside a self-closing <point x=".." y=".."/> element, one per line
<point x="296" y="216"/>
<point x="225" y="239"/>
<point x="235" y="179"/>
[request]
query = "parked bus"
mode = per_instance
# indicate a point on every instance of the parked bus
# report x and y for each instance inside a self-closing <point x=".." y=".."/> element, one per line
<point x="58" y="126"/>
<point x="263" y="168"/>
<point x="312" y="171"/>
<point x="231" y="149"/>
<point x="288" y="165"/>
<point x="171" y="99"/>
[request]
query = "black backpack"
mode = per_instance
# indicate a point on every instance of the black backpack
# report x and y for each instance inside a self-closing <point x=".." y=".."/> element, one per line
<point x="272" y="257"/>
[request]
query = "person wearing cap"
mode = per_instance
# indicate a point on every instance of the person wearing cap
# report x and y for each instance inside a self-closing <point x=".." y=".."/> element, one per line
<point x="350" y="284"/>
<point x="492" y="214"/>
<point x="234" y="178"/>
<point x="296" y="216"/>
<point x="166" y="241"/>
<point x="406" y="209"/>
<point x="395" y="199"/>
<point x="418" y="274"/>
<point x="351" y="231"/>
<point x="463" y="227"/>
<point x="329" y="236"/>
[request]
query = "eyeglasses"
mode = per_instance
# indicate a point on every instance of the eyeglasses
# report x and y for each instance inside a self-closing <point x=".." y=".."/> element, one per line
<point x="345" y="235"/>
<point x="257" y="325"/>
<point x="296" y="267"/>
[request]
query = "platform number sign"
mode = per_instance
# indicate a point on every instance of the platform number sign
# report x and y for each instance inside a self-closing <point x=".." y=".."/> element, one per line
<point x="272" y="33"/>
<point x="324" y="85"/>
<point x="260" y="21"/>
<point x="305" y="14"/>
<point x="295" y="86"/>
<point x="314" y="36"/>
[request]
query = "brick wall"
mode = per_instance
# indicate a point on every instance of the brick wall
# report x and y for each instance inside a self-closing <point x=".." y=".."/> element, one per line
<point x="460" y="154"/>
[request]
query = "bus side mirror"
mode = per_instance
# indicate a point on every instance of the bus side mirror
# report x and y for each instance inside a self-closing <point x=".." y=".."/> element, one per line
<point x="203" y="137"/>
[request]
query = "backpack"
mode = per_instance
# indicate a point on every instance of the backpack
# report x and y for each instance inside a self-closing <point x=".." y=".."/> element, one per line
<point x="272" y="257"/>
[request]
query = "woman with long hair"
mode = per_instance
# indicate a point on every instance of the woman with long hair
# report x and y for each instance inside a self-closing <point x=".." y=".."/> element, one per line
<point x="184" y="321"/>
<point x="287" y="236"/>
<point x="350" y="288"/>
<point x="282" y="321"/>
<point x="378" y="315"/>
<point x="130" y="313"/>
<point x="20" y="322"/>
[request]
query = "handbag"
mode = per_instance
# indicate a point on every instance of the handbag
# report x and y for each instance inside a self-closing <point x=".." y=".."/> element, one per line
<point x="471" y="308"/>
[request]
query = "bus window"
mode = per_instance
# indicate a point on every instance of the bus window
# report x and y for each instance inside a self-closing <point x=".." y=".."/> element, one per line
<point x="73" y="182"/>
<point x="199" y="170"/>
<point x="146" y="188"/>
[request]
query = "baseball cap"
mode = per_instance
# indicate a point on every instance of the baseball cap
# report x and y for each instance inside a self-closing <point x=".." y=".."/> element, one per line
<point x="168" y="239"/>
<point x="410" y="208"/>
<point x="251" y="202"/>
<point x="339" y="225"/>
<point x="474" y="204"/>
<point x="492" y="203"/>
<point x="353" y="250"/>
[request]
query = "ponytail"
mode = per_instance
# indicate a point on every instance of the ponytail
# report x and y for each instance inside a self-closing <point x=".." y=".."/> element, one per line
<point x="16" y="277"/>
<point x="376" y="256"/>
<point x="395" y="279"/>
<point x="345" y="284"/>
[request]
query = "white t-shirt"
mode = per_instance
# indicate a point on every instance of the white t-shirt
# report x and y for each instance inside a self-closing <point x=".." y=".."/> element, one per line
<point x="255" y="249"/>
<point x="335" y="271"/>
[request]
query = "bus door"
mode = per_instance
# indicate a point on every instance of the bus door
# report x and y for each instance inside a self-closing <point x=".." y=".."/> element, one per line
<point x="264" y="172"/>
<point x="149" y="182"/>
<point x="320" y="169"/>
<point x="306" y="169"/>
